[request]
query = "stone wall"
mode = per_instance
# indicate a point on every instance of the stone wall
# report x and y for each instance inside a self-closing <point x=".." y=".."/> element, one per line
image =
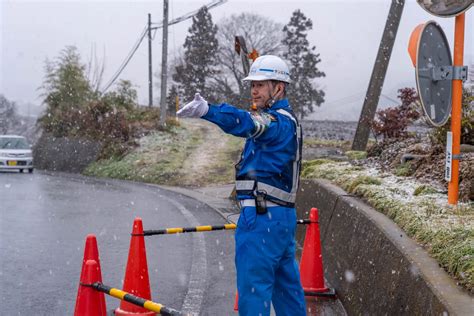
<point x="64" y="154"/>
<point x="375" y="268"/>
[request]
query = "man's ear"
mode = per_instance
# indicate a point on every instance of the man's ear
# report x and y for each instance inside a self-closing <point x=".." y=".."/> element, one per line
<point x="281" y="88"/>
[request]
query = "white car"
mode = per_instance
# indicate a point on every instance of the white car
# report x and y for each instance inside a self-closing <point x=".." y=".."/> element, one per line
<point x="15" y="153"/>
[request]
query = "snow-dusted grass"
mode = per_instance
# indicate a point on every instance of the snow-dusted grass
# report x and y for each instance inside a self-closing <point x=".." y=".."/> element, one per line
<point x="182" y="156"/>
<point x="317" y="142"/>
<point x="222" y="170"/>
<point x="158" y="159"/>
<point x="420" y="209"/>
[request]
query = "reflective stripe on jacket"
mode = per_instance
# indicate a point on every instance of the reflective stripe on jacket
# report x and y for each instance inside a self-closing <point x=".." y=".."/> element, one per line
<point x="271" y="159"/>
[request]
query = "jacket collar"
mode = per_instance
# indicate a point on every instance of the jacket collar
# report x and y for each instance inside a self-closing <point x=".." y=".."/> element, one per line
<point x="280" y="104"/>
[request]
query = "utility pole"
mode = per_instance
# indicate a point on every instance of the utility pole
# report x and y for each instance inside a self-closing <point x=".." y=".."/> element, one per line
<point x="378" y="76"/>
<point x="150" y="75"/>
<point x="164" y="62"/>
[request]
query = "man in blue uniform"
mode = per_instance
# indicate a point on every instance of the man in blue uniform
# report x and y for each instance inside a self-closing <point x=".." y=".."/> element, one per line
<point x="267" y="177"/>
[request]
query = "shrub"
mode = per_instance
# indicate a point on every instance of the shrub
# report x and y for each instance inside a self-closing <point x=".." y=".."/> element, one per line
<point x="393" y="121"/>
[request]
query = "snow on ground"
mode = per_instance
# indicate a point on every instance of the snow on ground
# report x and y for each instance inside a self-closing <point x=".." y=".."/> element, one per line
<point x="432" y="208"/>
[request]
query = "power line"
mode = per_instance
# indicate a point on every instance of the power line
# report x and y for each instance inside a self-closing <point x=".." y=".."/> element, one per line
<point x="354" y="98"/>
<point x="127" y="60"/>
<point x="189" y="15"/>
<point x="347" y="99"/>
<point x="142" y="36"/>
<point x="389" y="98"/>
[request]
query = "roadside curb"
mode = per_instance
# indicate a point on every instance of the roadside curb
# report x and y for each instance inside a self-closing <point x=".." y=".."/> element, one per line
<point x="217" y="198"/>
<point x="375" y="267"/>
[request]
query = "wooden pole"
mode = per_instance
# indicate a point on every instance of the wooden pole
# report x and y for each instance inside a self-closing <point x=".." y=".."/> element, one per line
<point x="150" y="72"/>
<point x="378" y="75"/>
<point x="164" y="64"/>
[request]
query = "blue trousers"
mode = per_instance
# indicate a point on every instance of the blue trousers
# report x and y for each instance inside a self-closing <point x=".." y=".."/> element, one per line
<point x="267" y="272"/>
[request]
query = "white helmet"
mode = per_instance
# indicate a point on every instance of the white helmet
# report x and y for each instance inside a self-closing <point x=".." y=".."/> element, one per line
<point x="269" y="67"/>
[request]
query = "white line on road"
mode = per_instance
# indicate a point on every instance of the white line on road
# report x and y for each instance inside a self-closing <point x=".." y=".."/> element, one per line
<point x="197" y="279"/>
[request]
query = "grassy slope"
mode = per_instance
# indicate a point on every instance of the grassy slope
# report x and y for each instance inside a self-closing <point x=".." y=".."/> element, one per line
<point x="160" y="159"/>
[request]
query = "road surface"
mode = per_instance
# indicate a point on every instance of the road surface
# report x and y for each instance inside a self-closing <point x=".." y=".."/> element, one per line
<point x="44" y="219"/>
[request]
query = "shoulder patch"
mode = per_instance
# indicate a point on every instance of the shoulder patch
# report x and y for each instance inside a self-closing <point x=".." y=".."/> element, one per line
<point x="262" y="121"/>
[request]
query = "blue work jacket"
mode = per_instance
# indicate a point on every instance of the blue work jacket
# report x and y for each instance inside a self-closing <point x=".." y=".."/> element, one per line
<point x="271" y="159"/>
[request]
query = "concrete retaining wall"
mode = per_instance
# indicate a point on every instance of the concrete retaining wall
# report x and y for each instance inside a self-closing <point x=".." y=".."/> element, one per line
<point x="64" y="154"/>
<point x="375" y="268"/>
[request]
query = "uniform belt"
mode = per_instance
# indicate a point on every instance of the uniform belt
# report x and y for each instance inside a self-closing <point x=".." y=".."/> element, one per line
<point x="251" y="202"/>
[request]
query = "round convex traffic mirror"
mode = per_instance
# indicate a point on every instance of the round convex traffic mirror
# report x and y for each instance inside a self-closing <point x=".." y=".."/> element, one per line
<point x="445" y="8"/>
<point x="433" y="67"/>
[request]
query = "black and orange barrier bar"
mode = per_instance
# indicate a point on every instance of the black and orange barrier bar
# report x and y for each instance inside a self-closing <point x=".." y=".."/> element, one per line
<point x="178" y="230"/>
<point x="122" y="295"/>
<point x="207" y="228"/>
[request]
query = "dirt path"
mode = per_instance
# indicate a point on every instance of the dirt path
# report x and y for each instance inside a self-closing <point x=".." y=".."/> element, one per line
<point x="197" y="165"/>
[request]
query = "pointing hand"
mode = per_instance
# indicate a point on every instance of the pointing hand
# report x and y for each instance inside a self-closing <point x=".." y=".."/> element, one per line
<point x="196" y="108"/>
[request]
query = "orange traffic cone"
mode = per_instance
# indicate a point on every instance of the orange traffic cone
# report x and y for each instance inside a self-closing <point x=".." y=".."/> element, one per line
<point x="311" y="266"/>
<point x="89" y="301"/>
<point x="91" y="252"/>
<point x="136" y="274"/>
<point x="236" y="302"/>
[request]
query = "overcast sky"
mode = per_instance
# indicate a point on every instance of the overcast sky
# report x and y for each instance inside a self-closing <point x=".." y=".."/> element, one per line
<point x="346" y="33"/>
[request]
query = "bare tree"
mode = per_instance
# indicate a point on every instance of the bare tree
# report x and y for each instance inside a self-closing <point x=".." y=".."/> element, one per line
<point x="95" y="70"/>
<point x="260" y="33"/>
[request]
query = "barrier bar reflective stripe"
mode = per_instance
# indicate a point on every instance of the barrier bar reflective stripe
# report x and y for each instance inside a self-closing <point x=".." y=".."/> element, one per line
<point x="206" y="228"/>
<point x="122" y="295"/>
<point x="177" y="230"/>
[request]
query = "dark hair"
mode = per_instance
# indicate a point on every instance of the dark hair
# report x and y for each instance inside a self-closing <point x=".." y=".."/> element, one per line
<point x="285" y="84"/>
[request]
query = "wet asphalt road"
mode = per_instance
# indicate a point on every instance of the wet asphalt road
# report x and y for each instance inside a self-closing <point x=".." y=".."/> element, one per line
<point x="44" y="219"/>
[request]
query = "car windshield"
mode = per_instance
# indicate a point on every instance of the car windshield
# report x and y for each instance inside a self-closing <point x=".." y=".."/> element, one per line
<point x="13" y="143"/>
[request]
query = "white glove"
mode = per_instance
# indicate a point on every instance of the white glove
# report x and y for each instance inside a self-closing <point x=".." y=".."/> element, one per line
<point x="196" y="108"/>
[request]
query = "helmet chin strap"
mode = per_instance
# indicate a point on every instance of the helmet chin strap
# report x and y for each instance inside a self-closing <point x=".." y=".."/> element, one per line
<point x="272" y="99"/>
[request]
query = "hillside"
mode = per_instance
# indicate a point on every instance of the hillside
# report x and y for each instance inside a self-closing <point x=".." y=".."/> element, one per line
<point x="412" y="193"/>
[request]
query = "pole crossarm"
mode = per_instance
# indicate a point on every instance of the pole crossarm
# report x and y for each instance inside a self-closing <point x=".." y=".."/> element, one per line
<point x="136" y="300"/>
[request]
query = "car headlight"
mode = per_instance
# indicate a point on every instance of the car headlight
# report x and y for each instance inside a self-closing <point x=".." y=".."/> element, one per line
<point x="3" y="155"/>
<point x="29" y="155"/>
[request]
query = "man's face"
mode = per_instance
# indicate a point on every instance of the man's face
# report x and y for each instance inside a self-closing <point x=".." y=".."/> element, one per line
<point x="261" y="91"/>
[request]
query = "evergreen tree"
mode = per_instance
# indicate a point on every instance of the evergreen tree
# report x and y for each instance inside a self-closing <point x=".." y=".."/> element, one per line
<point x="8" y="115"/>
<point x="303" y="93"/>
<point x="66" y="85"/>
<point x="199" y="65"/>
<point x="124" y="96"/>
<point x="67" y="92"/>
